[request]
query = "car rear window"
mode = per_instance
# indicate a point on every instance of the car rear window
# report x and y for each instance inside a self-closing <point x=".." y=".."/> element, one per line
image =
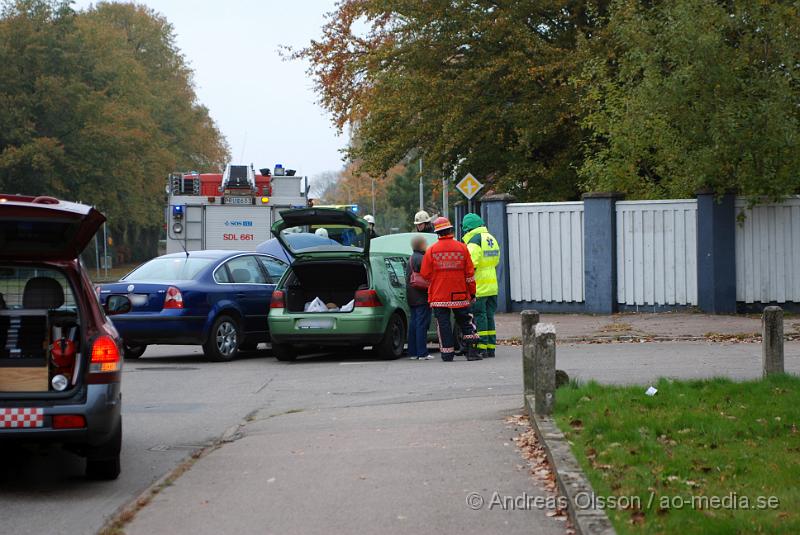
<point x="15" y="280"/>
<point x="169" y="269"/>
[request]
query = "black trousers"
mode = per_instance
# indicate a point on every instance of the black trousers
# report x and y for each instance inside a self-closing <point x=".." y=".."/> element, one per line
<point x="444" y="326"/>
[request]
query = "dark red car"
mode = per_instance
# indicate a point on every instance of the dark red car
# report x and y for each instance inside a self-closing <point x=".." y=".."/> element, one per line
<point x="60" y="361"/>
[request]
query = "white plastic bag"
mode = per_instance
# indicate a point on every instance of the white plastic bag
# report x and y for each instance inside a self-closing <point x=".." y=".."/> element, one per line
<point x="317" y="305"/>
<point x="349" y="306"/>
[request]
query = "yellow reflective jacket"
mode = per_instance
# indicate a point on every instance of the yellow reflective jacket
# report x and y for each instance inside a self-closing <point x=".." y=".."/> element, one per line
<point x="485" y="253"/>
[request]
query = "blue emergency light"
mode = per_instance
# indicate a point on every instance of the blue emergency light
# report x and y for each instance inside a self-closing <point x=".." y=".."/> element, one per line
<point x="177" y="211"/>
<point x="278" y="170"/>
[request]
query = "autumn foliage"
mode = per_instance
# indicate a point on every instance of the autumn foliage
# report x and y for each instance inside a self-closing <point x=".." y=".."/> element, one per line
<point x="98" y="106"/>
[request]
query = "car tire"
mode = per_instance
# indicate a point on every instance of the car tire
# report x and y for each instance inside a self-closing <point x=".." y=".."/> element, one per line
<point x="133" y="351"/>
<point x="103" y="462"/>
<point x="223" y="340"/>
<point x="284" y="352"/>
<point x="391" y="346"/>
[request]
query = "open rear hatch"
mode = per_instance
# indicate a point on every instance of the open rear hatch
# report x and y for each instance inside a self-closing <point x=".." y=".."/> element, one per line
<point x="44" y="228"/>
<point x="322" y="233"/>
<point x="41" y="339"/>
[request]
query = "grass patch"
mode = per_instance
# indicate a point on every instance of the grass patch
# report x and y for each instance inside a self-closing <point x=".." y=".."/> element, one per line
<point x="693" y="441"/>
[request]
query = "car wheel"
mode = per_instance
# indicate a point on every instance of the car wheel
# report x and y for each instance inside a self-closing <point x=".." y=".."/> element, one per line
<point x="284" y="352"/>
<point x="103" y="462"/>
<point x="133" y="351"/>
<point x="223" y="340"/>
<point x="391" y="346"/>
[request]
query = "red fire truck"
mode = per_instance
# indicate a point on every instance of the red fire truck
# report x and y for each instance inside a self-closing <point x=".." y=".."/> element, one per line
<point x="231" y="210"/>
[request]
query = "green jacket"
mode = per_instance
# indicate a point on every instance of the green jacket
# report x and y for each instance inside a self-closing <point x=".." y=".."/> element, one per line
<point x="485" y="253"/>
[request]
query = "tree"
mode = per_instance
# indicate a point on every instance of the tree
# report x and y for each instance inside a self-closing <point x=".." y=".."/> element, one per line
<point x="683" y="95"/>
<point x="98" y="106"/>
<point x="471" y="85"/>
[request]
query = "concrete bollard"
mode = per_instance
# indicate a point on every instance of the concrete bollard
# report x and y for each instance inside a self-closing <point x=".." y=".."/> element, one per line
<point x="544" y="369"/>
<point x="529" y="320"/>
<point x="772" y="340"/>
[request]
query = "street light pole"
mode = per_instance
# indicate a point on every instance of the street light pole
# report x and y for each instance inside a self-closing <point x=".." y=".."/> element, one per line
<point x="421" y="188"/>
<point x="445" y="198"/>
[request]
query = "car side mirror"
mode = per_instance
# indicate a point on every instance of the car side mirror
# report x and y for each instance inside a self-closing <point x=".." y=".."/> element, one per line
<point x="117" y="304"/>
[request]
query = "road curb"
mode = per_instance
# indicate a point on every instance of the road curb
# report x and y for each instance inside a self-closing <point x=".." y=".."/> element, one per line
<point x="571" y="480"/>
<point x="124" y="515"/>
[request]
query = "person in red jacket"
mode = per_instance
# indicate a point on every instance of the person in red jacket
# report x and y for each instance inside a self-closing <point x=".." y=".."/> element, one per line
<point x="448" y="267"/>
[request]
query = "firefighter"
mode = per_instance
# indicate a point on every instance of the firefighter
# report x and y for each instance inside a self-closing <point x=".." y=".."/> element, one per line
<point x="371" y="228"/>
<point x="422" y="222"/>
<point x="485" y="254"/>
<point x="448" y="267"/>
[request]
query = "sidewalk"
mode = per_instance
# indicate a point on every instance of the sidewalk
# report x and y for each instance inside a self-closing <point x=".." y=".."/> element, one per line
<point x="396" y="447"/>
<point x="390" y="469"/>
<point x="658" y="326"/>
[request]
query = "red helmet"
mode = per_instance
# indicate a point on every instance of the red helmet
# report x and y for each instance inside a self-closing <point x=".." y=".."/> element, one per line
<point x="441" y="224"/>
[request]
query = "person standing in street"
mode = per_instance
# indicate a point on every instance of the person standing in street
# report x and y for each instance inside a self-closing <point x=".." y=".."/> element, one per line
<point x="417" y="295"/>
<point x="484" y="252"/>
<point x="448" y="267"/>
<point x="422" y="222"/>
<point x="371" y="228"/>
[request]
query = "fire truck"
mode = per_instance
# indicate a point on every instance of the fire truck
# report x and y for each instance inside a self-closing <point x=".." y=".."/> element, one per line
<point x="232" y="210"/>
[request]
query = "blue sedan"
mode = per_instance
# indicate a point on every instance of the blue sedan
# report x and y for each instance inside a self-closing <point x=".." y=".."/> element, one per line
<point x="217" y="299"/>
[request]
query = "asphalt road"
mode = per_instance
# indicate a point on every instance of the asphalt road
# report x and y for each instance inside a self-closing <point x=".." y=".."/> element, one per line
<point x="174" y="402"/>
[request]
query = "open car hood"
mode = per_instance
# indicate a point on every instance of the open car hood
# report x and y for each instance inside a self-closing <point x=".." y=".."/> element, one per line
<point x="44" y="228"/>
<point x="347" y="232"/>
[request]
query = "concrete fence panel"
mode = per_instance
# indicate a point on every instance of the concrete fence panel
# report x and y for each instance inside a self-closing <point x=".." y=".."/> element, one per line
<point x="546" y="251"/>
<point x="657" y="252"/>
<point x="768" y="252"/>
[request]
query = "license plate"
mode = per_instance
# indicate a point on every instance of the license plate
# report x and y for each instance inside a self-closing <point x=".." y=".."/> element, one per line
<point x="139" y="299"/>
<point x="21" y="418"/>
<point x="238" y="200"/>
<point x="314" y="323"/>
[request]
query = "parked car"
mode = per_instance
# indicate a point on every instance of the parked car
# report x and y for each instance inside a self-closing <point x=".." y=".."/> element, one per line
<point x="339" y="274"/>
<point x="217" y="299"/>
<point x="60" y="362"/>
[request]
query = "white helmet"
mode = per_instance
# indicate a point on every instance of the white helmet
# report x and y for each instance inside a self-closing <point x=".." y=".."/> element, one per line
<point x="321" y="232"/>
<point x="369" y="219"/>
<point x="421" y="217"/>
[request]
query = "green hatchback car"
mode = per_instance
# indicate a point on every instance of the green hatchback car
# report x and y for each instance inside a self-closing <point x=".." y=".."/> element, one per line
<point x="338" y="292"/>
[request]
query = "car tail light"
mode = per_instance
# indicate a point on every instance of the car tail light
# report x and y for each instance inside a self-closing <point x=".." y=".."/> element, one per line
<point x="105" y="356"/>
<point x="68" y="421"/>
<point x="174" y="299"/>
<point x="367" y="298"/>
<point x="278" y="300"/>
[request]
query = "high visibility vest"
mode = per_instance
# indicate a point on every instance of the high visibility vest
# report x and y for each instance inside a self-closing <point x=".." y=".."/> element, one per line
<point x="485" y="253"/>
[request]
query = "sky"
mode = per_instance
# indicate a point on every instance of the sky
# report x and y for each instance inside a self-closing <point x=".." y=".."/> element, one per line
<point x="265" y="106"/>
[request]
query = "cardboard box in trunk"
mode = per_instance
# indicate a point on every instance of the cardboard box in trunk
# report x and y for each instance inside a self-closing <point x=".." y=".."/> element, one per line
<point x="24" y="379"/>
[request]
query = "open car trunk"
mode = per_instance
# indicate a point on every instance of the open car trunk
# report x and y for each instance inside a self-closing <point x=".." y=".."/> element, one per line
<point x="333" y="281"/>
<point x="40" y="334"/>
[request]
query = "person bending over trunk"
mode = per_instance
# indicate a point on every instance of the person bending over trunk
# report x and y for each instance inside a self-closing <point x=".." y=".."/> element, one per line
<point x="448" y="267"/>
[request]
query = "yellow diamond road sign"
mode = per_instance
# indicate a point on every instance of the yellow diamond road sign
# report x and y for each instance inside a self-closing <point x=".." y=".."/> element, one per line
<point x="469" y="186"/>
